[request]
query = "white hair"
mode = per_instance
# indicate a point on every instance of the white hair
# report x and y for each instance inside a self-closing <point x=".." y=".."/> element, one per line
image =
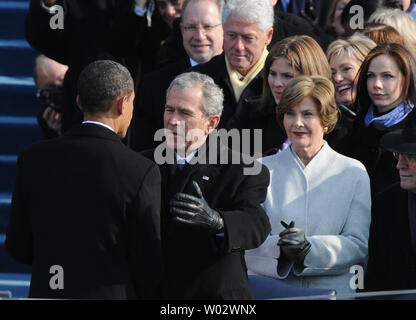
<point x="254" y="11"/>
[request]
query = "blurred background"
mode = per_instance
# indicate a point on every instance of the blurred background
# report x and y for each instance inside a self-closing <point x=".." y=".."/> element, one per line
<point x="18" y="127"/>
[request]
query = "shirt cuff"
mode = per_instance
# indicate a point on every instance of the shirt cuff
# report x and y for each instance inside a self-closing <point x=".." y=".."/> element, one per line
<point x="139" y="11"/>
<point x="45" y="7"/>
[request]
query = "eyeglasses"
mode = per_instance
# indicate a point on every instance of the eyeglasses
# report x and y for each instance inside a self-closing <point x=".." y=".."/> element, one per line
<point x="407" y="157"/>
<point x="205" y="29"/>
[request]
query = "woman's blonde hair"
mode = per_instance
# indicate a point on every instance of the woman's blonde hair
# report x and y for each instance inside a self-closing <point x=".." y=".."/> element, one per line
<point x="356" y="46"/>
<point x="322" y="92"/>
<point x="403" y="22"/>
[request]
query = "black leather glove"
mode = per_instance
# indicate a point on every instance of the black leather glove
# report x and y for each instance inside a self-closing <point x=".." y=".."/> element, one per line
<point x="293" y="243"/>
<point x="195" y="211"/>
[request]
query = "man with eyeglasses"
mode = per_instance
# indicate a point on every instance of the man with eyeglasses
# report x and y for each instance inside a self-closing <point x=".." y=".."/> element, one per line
<point x="392" y="243"/>
<point x="202" y="39"/>
<point x="248" y="30"/>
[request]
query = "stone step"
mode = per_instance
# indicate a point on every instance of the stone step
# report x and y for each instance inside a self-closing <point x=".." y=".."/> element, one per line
<point x="17" y="284"/>
<point x="18" y="96"/>
<point x="5" y="200"/>
<point x="7" y="172"/>
<point x="17" y="58"/>
<point x="12" y="19"/>
<point x="18" y="132"/>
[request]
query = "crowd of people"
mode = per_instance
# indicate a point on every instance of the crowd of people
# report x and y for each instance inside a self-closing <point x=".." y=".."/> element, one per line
<point x="136" y="193"/>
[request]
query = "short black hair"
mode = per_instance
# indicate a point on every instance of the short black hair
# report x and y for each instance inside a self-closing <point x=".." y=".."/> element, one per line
<point x="101" y="83"/>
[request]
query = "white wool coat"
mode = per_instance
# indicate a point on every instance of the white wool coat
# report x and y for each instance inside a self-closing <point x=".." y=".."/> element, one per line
<point x="330" y="200"/>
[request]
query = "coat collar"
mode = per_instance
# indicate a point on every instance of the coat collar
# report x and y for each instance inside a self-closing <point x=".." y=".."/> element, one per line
<point x="93" y="130"/>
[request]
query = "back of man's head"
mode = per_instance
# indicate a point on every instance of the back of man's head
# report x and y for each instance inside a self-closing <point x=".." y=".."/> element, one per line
<point x="101" y="83"/>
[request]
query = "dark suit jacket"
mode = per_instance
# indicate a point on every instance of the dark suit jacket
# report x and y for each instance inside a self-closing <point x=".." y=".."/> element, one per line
<point x="204" y="266"/>
<point x="258" y="116"/>
<point x="365" y="147"/>
<point x="91" y="205"/>
<point x="287" y="25"/>
<point x="392" y="261"/>
<point x="94" y="29"/>
<point x="233" y="110"/>
<point x="247" y="112"/>
<point x="81" y="41"/>
<point x="150" y="105"/>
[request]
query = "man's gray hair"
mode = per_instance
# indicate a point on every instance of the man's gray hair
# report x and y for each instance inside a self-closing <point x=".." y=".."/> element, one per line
<point x="101" y="83"/>
<point x="212" y="95"/>
<point x="219" y="3"/>
<point x="253" y="11"/>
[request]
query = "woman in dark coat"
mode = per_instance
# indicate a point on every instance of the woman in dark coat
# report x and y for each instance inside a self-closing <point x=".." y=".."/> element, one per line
<point x="386" y="94"/>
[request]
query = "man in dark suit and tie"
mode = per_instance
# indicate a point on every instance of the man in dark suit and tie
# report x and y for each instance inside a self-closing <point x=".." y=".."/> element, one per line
<point x="211" y="208"/>
<point x="202" y="39"/>
<point x="85" y="210"/>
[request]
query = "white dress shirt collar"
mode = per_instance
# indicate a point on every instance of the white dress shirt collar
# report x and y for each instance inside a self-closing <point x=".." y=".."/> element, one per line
<point x="98" y="123"/>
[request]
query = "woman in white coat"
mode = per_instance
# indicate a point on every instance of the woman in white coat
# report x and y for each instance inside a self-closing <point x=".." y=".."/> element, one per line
<point x="322" y="197"/>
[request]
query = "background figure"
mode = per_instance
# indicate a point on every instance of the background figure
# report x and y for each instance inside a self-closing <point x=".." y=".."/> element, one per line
<point x="401" y="21"/>
<point x="168" y="9"/>
<point x="381" y="33"/>
<point x="334" y="25"/>
<point x="325" y="229"/>
<point x="288" y="23"/>
<point x="408" y="6"/>
<point x="49" y="76"/>
<point x="345" y="58"/>
<point x="83" y="39"/>
<point x="202" y="39"/>
<point x="288" y="58"/>
<point x="86" y="203"/>
<point x="139" y="32"/>
<point x="248" y="30"/>
<point x="385" y="96"/>
<point x="392" y="245"/>
<point x="311" y="10"/>
<point x="349" y="17"/>
<point x="211" y="206"/>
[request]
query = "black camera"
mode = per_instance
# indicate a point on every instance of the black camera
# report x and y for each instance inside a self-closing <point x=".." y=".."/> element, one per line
<point x="53" y="96"/>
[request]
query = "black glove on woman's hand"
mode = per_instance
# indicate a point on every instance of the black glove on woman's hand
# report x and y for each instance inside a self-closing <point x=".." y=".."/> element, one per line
<point x="195" y="211"/>
<point x="293" y="243"/>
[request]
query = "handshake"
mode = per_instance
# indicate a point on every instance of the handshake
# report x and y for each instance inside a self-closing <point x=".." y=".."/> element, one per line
<point x="293" y="243"/>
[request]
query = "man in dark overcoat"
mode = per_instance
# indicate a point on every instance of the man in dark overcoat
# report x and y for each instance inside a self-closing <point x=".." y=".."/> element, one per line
<point x="392" y="243"/>
<point x="211" y="197"/>
<point x="85" y="210"/>
<point x="202" y="39"/>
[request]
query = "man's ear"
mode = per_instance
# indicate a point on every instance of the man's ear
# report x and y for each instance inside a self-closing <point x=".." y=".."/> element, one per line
<point x="213" y="122"/>
<point x="120" y="104"/>
<point x="79" y="103"/>
<point x="269" y="36"/>
<point x="181" y="27"/>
